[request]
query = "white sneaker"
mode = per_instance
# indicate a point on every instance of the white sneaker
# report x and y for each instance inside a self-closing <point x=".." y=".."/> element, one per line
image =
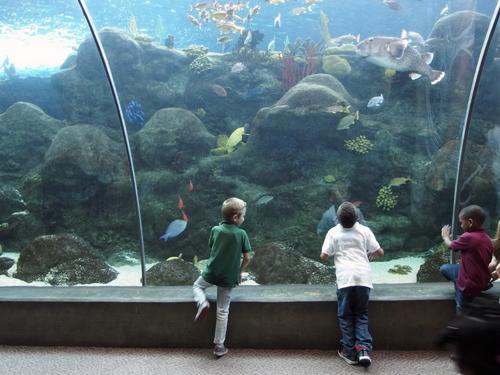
<point x="202" y="312"/>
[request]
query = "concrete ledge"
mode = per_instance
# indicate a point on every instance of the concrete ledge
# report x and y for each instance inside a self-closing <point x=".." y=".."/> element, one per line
<point x="402" y="316"/>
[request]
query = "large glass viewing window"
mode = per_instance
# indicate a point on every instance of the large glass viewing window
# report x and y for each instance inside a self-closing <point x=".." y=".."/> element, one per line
<point x="292" y="106"/>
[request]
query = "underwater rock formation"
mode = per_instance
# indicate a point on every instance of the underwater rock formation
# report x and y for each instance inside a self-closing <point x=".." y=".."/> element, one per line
<point x="275" y="263"/>
<point x="26" y="133"/>
<point x="81" y="271"/>
<point x="174" y="139"/>
<point x="82" y="155"/>
<point x="38" y="260"/>
<point x="174" y="271"/>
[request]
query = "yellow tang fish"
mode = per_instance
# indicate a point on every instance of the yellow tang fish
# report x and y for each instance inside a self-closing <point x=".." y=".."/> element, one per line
<point x="234" y="139"/>
<point x="398" y="181"/>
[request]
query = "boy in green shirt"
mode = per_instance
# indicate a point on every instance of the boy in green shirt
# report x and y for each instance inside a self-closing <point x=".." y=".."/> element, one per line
<point x="227" y="242"/>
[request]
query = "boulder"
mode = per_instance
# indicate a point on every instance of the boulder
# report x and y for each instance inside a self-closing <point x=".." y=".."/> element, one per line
<point x="81" y="271"/>
<point x="275" y="263"/>
<point x="26" y="133"/>
<point x="173" y="271"/>
<point x="46" y="252"/>
<point x="173" y="139"/>
<point x="5" y="264"/>
<point x="81" y="160"/>
<point x="10" y="201"/>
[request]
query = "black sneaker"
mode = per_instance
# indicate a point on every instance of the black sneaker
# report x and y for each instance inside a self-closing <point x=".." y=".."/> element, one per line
<point x="364" y="358"/>
<point x="348" y="358"/>
<point x="220" y="350"/>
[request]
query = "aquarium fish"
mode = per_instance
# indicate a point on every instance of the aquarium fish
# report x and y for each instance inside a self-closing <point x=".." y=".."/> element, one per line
<point x="248" y="38"/>
<point x="300" y="10"/>
<point x="445" y="11"/>
<point x="277" y="21"/>
<point x="312" y="2"/>
<point x="276" y="2"/>
<point x="395" y="53"/>
<point x="328" y="220"/>
<point x="412" y="36"/>
<point x="134" y="114"/>
<point x="218" y="89"/>
<point x="392" y="4"/>
<point x="272" y="45"/>
<point x="194" y="20"/>
<point x="254" y="11"/>
<point x="398" y="181"/>
<point x="264" y="199"/>
<point x="180" y="203"/>
<point x="376" y="101"/>
<point x="190" y="186"/>
<point x="229" y="27"/>
<point x="200" y="6"/>
<point x="175" y="228"/>
<point x="224" y="39"/>
<point x="238" y="67"/>
<point x="345" y="39"/>
<point x="347" y="121"/>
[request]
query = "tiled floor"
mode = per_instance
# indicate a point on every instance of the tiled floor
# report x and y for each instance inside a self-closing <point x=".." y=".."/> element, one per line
<point x="22" y="360"/>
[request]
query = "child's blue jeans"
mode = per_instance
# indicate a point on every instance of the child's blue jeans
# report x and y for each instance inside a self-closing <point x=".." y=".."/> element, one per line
<point x="352" y="313"/>
<point x="450" y="272"/>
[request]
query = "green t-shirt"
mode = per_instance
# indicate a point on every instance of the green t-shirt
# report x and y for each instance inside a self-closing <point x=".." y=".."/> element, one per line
<point x="227" y="243"/>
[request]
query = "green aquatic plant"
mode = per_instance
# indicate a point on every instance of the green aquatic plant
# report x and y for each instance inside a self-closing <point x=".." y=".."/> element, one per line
<point x="386" y="199"/>
<point x="196" y="50"/>
<point x="360" y="145"/>
<point x="200" y="64"/>
<point x="400" y="270"/>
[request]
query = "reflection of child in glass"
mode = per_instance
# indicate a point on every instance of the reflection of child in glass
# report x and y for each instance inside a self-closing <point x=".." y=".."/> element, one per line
<point x="471" y="276"/>
<point x="227" y="242"/>
<point x="352" y="245"/>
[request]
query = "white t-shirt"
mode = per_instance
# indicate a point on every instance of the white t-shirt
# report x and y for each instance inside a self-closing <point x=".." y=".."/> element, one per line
<point x="350" y="248"/>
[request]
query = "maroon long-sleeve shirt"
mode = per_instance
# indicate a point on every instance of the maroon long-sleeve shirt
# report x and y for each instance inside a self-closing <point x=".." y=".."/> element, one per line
<point x="476" y="249"/>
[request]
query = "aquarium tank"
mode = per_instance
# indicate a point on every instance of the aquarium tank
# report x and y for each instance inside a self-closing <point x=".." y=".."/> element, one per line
<point x="125" y="127"/>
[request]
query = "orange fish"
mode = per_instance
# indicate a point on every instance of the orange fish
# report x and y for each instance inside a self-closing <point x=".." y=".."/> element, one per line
<point x="181" y="203"/>
<point x="184" y="216"/>
<point x="190" y="186"/>
<point x="218" y="89"/>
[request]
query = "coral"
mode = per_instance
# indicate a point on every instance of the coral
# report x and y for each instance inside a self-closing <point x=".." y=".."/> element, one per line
<point x="335" y="65"/>
<point x="360" y="145"/>
<point x="386" y="199"/>
<point x="196" y="50"/>
<point x="400" y="270"/>
<point x="200" y="64"/>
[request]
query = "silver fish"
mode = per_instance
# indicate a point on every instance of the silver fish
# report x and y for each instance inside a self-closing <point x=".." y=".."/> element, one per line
<point x="376" y="101"/>
<point x="395" y="53"/>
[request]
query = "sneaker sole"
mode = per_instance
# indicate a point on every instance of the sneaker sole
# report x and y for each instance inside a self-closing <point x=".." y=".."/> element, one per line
<point x="347" y="359"/>
<point x="218" y="355"/>
<point x="202" y="315"/>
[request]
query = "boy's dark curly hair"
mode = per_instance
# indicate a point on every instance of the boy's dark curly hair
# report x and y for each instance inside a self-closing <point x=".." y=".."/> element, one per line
<point x="347" y="214"/>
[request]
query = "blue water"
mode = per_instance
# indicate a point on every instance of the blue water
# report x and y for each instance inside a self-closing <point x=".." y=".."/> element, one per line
<point x="364" y="17"/>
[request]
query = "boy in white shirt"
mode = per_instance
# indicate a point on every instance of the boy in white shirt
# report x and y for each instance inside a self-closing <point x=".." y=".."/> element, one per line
<point x="352" y="245"/>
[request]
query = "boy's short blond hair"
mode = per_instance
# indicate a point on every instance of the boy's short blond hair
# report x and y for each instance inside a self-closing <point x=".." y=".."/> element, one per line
<point x="233" y="206"/>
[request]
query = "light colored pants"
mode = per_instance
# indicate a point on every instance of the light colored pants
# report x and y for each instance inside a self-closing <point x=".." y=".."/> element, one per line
<point x="223" y="301"/>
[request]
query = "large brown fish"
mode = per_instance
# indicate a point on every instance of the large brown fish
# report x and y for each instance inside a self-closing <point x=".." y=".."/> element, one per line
<point x="395" y="53"/>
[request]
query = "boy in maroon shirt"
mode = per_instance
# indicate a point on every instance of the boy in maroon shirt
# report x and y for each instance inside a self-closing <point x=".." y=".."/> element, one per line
<point x="471" y="276"/>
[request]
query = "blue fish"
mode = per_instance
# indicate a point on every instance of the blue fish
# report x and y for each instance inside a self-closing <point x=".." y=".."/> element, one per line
<point x="175" y="228"/>
<point x="134" y="114"/>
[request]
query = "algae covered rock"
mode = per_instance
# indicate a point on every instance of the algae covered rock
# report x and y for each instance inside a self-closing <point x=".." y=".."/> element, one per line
<point x="173" y="271"/>
<point x="82" y="159"/>
<point x="81" y="271"/>
<point x="275" y="263"/>
<point x="173" y="139"/>
<point x="336" y="65"/>
<point x="26" y="133"/>
<point x="46" y="252"/>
